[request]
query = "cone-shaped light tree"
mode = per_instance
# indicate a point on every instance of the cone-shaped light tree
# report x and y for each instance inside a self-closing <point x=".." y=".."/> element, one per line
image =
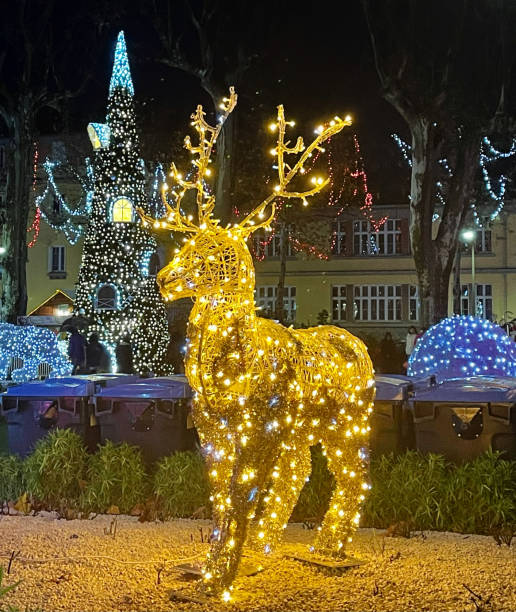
<point x="117" y="287"/>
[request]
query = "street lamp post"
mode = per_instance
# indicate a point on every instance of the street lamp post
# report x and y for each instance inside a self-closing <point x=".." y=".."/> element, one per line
<point x="469" y="237"/>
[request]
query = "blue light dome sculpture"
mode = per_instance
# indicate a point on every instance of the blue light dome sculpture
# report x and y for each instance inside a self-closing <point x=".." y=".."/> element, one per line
<point x="462" y="346"/>
<point x="31" y="346"/>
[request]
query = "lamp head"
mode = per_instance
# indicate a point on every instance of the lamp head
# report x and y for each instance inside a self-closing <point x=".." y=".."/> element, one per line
<point x="468" y="235"/>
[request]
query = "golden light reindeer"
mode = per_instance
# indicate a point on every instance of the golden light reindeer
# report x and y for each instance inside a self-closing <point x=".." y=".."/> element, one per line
<point x="264" y="393"/>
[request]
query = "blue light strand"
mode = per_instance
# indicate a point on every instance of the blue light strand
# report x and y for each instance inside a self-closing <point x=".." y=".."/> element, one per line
<point x="488" y="154"/>
<point x="156" y="206"/>
<point x="121" y="76"/>
<point x="71" y="227"/>
<point x="462" y="346"/>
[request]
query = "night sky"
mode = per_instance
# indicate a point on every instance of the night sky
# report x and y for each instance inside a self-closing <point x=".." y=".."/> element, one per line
<point x="316" y="60"/>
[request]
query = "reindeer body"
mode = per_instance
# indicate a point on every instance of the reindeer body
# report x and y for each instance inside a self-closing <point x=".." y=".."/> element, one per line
<point x="264" y="393"/>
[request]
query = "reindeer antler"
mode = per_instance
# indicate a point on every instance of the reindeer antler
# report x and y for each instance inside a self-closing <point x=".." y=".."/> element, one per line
<point x="175" y="219"/>
<point x="286" y="173"/>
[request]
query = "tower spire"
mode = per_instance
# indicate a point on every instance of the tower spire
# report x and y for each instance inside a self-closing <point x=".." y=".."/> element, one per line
<point x="121" y="76"/>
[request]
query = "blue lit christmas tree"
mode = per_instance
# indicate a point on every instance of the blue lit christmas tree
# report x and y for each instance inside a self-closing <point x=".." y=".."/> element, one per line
<point x="116" y="286"/>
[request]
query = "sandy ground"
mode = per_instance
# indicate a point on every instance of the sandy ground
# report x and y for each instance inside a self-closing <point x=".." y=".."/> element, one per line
<point x="75" y="565"/>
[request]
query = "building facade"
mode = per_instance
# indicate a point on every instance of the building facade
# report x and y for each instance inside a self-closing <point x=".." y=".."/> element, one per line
<point x="369" y="282"/>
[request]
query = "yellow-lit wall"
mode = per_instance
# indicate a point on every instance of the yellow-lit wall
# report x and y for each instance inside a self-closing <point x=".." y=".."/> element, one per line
<point x="314" y="278"/>
<point x="40" y="285"/>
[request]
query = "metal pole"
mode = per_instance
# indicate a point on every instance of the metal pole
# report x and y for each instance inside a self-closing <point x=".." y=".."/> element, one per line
<point x="473" y="284"/>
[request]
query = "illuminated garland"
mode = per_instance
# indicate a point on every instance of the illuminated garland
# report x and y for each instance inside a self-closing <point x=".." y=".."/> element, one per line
<point x="488" y="155"/>
<point x="368" y="197"/>
<point x="334" y="199"/>
<point x="264" y="393"/>
<point x="35" y="225"/>
<point x="117" y="250"/>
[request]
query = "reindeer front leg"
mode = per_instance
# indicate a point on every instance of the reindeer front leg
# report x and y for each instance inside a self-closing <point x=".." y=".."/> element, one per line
<point x="250" y="470"/>
<point x="288" y="477"/>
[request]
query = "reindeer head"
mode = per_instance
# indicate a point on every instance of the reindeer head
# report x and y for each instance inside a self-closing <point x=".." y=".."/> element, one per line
<point x="213" y="259"/>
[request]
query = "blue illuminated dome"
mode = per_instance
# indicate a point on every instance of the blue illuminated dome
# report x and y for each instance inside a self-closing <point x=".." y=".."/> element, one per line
<point x="30" y="347"/>
<point x="463" y="346"/>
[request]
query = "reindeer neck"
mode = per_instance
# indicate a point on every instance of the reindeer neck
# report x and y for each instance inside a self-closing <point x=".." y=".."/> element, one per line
<point x="221" y="309"/>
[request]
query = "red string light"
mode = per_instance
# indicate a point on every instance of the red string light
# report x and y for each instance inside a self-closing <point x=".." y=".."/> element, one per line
<point x="36" y="222"/>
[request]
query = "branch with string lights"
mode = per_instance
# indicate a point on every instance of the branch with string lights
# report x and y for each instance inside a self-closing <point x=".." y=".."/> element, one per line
<point x="487" y="156"/>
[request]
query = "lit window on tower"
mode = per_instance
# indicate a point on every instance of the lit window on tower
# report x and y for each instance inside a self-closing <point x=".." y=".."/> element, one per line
<point x="122" y="211"/>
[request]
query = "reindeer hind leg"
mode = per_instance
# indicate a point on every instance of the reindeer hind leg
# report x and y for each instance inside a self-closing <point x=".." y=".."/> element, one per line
<point x="346" y="462"/>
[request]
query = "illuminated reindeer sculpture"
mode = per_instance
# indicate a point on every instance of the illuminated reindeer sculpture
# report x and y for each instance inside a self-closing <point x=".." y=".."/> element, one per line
<point x="264" y="393"/>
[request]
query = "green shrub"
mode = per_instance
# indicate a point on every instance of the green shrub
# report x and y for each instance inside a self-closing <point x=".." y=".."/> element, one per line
<point x="407" y="487"/>
<point x="181" y="484"/>
<point x="480" y="495"/>
<point x="55" y="470"/>
<point x="116" y="477"/>
<point x="12" y="482"/>
<point x="315" y="495"/>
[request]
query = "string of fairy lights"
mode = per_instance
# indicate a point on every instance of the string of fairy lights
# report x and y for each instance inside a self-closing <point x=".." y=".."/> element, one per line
<point x="495" y="188"/>
<point x="264" y="393"/>
<point x="259" y="247"/>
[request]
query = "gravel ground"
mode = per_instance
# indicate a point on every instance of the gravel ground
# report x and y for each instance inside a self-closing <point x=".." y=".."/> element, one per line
<point x="77" y="566"/>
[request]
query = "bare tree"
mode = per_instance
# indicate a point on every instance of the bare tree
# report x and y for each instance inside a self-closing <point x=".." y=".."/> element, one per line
<point x="442" y="66"/>
<point x="38" y="44"/>
<point x="216" y="41"/>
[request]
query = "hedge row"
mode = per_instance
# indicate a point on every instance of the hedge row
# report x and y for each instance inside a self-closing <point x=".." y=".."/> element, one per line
<point x="60" y="475"/>
<point x="422" y="491"/>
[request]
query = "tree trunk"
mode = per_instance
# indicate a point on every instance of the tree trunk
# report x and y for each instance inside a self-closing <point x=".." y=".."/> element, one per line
<point x="13" y="232"/>
<point x="283" y="249"/>
<point x="457" y="287"/>
<point x="421" y="210"/>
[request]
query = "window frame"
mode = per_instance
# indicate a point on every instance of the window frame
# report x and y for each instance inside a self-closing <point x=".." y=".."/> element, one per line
<point x="268" y="302"/>
<point x="123" y="209"/>
<point x="339" y="300"/>
<point x="61" y="257"/>
<point x="387" y="240"/>
<point x="105" y="306"/>
<point x="374" y="303"/>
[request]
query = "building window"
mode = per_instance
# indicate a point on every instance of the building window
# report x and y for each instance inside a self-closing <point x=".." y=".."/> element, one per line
<point x="386" y="241"/>
<point x="56" y="259"/>
<point x="106" y="298"/>
<point x="266" y="245"/>
<point x="377" y="302"/>
<point x="338" y="246"/>
<point x="414" y="303"/>
<point x="484" y="300"/>
<point x="266" y="299"/>
<point x="122" y="211"/>
<point x="483" y="242"/>
<point x="338" y="302"/>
